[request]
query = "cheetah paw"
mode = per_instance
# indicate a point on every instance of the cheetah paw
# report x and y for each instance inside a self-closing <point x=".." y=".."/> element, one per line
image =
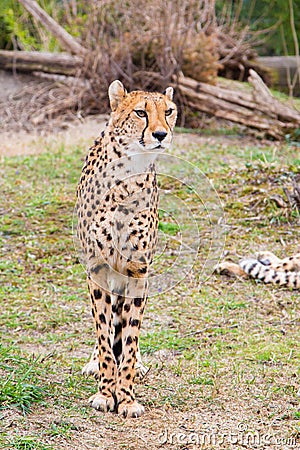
<point x="91" y="369"/>
<point x="129" y="410"/>
<point x="230" y="269"/>
<point x="102" y="403"/>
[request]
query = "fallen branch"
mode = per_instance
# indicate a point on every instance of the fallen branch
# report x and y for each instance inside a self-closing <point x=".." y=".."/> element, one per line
<point x="96" y="66"/>
<point x="55" y="63"/>
<point x="262" y="96"/>
<point x="257" y="109"/>
<point x="67" y="41"/>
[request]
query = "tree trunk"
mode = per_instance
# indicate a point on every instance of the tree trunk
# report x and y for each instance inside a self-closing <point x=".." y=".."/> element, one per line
<point x="67" y="41"/>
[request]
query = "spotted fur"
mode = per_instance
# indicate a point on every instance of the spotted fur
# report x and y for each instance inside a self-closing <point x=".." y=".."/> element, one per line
<point x="117" y="209"/>
<point x="267" y="268"/>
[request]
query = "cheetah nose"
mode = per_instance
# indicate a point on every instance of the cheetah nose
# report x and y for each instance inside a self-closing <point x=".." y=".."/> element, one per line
<point x="159" y="135"/>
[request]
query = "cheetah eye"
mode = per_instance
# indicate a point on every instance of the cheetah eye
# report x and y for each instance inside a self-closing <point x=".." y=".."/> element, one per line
<point x="140" y="113"/>
<point x="169" y="112"/>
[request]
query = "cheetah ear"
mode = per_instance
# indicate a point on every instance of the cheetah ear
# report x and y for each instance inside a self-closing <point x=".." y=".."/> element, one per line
<point x="116" y="93"/>
<point x="169" y="93"/>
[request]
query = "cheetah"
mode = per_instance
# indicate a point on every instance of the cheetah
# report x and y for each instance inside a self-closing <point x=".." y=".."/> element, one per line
<point x="266" y="267"/>
<point x="117" y="223"/>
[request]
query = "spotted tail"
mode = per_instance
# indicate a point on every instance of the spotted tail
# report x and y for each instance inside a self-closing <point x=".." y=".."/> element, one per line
<point x="259" y="271"/>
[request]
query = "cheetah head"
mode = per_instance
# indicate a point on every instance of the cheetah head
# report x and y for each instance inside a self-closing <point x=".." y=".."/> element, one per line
<point x="142" y="121"/>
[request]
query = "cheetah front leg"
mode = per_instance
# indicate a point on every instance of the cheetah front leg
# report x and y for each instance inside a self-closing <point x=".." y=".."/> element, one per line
<point x="291" y="263"/>
<point x="92" y="367"/>
<point x="104" y="400"/>
<point x="132" y="314"/>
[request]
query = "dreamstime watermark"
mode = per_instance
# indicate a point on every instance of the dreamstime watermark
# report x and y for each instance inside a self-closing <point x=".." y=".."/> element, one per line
<point x="241" y="436"/>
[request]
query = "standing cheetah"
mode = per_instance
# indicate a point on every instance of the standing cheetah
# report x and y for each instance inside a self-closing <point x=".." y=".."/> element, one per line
<point x="117" y="209"/>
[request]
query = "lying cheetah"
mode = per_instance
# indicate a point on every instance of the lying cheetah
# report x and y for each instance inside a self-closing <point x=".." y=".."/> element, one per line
<point x="117" y="209"/>
<point x="267" y="268"/>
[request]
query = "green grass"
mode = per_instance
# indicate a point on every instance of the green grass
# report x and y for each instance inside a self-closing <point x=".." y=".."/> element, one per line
<point x="169" y="228"/>
<point x="20" y="385"/>
<point x="27" y="443"/>
<point x="223" y="345"/>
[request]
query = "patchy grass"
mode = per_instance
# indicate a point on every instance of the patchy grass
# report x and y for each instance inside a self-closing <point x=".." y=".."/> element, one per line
<point x="20" y="385"/>
<point x="26" y="443"/>
<point x="224" y="354"/>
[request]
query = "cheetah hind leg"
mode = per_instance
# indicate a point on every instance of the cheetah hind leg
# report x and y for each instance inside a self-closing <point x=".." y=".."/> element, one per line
<point x="230" y="269"/>
<point x="268" y="258"/>
<point x="291" y="263"/>
<point x="91" y="369"/>
<point x="140" y="368"/>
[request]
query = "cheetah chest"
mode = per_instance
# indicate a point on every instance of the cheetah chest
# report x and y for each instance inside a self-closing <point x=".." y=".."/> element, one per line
<point x="122" y="230"/>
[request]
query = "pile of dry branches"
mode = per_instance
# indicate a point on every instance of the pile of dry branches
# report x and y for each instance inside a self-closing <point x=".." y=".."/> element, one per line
<point x="172" y="42"/>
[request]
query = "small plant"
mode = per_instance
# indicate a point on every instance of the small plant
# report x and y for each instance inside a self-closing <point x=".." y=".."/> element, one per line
<point x="169" y="228"/>
<point x="19" y="387"/>
<point x="27" y="443"/>
<point x="61" y="429"/>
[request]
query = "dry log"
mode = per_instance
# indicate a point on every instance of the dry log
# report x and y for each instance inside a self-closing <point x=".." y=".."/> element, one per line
<point x="57" y="63"/>
<point x="64" y="79"/>
<point x="257" y="109"/>
<point x="67" y="41"/>
<point x="259" y="99"/>
<point x="262" y="96"/>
